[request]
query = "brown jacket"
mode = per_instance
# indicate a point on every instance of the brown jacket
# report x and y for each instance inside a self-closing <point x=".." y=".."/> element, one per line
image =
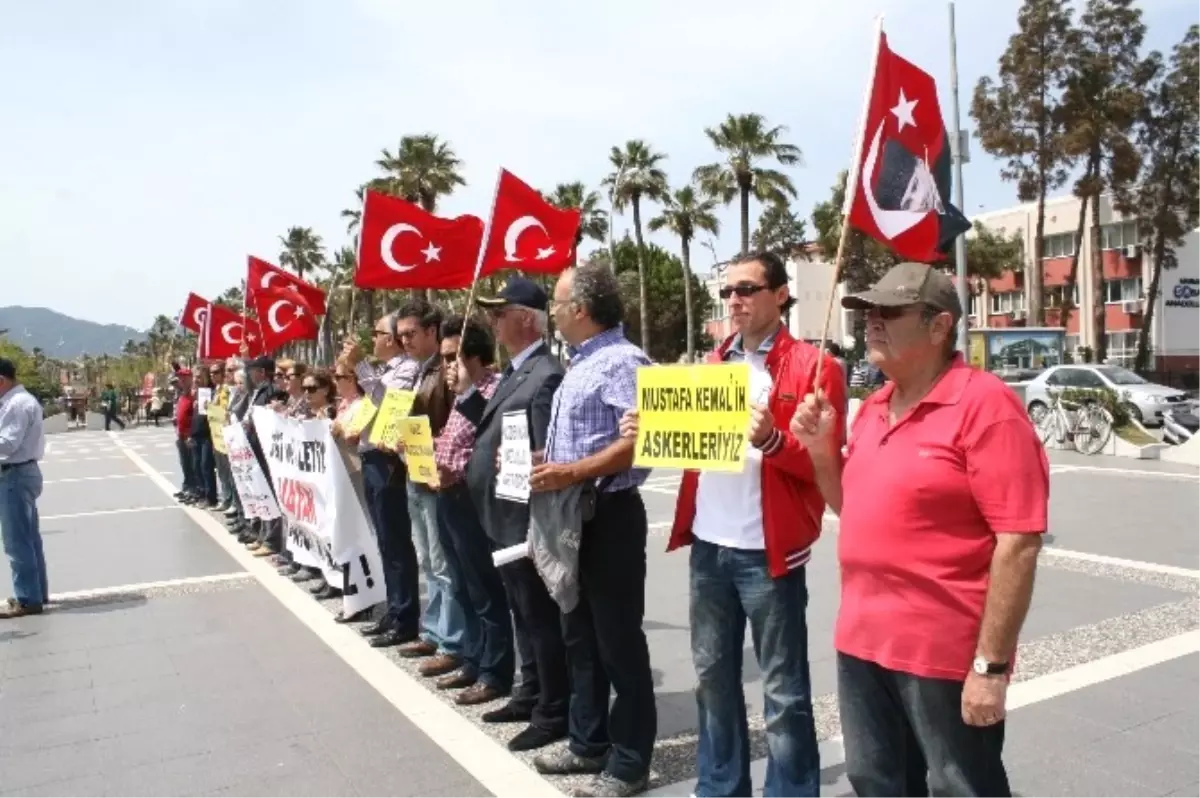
<point x="433" y="397"/>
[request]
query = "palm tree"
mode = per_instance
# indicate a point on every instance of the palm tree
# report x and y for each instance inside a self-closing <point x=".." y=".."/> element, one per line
<point x="684" y="214"/>
<point x="637" y="176"/>
<point x="354" y="215"/>
<point x="302" y="250"/>
<point x="745" y="141"/>
<point x="593" y="220"/>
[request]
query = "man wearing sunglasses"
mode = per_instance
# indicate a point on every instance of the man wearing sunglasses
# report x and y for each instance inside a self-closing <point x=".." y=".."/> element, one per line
<point x="942" y="503"/>
<point x="751" y="536"/>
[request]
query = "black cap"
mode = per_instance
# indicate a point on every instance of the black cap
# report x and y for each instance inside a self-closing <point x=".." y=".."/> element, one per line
<point x="8" y="369"/>
<point x="517" y="291"/>
<point x="262" y="362"/>
<point x="909" y="284"/>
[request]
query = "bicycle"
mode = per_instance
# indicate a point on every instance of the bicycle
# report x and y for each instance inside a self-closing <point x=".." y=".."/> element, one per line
<point x="1086" y="427"/>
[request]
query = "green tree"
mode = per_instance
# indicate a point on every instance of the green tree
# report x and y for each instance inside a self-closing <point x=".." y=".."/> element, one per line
<point x="1020" y="117"/>
<point x="637" y="175"/>
<point x="666" y="315"/>
<point x="745" y="141"/>
<point x="1168" y="196"/>
<point x="28" y="373"/>
<point x="233" y="297"/>
<point x="685" y="213"/>
<point x="303" y="251"/>
<point x="865" y="259"/>
<point x="1103" y="100"/>
<point x="991" y="253"/>
<point x="780" y="231"/>
<point x="593" y="220"/>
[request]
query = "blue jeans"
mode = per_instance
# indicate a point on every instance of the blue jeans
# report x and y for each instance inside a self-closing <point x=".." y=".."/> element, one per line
<point x="20" y="488"/>
<point x="443" y="623"/>
<point x="187" y="464"/>
<point x="728" y="587"/>
<point x="206" y="468"/>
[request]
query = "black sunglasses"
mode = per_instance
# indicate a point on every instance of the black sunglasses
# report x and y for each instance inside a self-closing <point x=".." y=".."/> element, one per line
<point x="311" y="388"/>
<point x="741" y="289"/>
<point x="449" y="357"/>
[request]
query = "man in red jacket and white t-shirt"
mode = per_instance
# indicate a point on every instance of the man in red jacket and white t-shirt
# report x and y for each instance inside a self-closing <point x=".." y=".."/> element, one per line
<point x="751" y="534"/>
<point x="184" y="409"/>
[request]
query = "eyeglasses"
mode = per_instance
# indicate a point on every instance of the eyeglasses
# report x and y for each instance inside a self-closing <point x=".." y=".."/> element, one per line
<point x="310" y="389"/>
<point x="449" y="357"/>
<point x="341" y="376"/>
<point x="291" y="375"/>
<point x="741" y="289"/>
<point x="404" y="335"/>
<point x="378" y="333"/>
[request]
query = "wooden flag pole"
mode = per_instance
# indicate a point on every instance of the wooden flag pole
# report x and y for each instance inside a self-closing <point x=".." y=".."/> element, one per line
<point x="487" y="232"/>
<point x="852" y="180"/>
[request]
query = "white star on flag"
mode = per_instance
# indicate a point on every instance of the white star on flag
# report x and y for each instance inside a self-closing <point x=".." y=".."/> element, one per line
<point x="904" y="111"/>
<point x="545" y="253"/>
<point x="432" y="252"/>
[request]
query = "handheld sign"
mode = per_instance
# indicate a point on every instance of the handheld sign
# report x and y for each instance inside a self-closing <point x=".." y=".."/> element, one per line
<point x="362" y="416"/>
<point x="394" y="408"/>
<point x="693" y="417"/>
<point x="418" y="450"/>
<point x="516" y="459"/>
<point x="217" y="418"/>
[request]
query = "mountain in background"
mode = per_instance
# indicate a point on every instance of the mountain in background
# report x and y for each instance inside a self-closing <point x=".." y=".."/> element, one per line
<point x="63" y="337"/>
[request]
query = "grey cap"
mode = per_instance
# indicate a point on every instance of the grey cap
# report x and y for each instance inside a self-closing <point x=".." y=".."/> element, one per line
<point x="909" y="284"/>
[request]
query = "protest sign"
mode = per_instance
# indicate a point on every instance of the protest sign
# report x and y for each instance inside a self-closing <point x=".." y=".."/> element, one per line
<point x="216" y="426"/>
<point x="248" y="478"/>
<point x="362" y="416"/>
<point x="203" y="397"/>
<point x="325" y="520"/>
<point x="394" y="408"/>
<point x="417" y="438"/>
<point x="516" y="458"/>
<point x="693" y="416"/>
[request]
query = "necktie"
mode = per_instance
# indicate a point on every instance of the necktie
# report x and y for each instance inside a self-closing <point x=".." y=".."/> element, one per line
<point x="508" y="371"/>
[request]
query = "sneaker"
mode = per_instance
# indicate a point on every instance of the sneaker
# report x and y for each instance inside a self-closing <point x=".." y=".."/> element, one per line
<point x="568" y="763"/>
<point x="608" y="784"/>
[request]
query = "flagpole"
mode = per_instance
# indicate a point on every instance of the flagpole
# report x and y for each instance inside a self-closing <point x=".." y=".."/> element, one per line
<point x="487" y="231"/>
<point x="956" y="154"/>
<point x="852" y="180"/>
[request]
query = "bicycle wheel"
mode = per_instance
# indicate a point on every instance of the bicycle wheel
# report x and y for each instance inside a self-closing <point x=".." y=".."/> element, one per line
<point x="1093" y="428"/>
<point x="1047" y="426"/>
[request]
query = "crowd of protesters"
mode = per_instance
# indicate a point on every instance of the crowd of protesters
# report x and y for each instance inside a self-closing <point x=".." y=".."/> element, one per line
<point x="942" y="494"/>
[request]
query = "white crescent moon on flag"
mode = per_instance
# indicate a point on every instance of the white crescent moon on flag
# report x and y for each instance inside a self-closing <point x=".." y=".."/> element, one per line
<point x="389" y="238"/>
<point x="272" y="315"/>
<point x="265" y="282"/>
<point x="198" y="315"/>
<point x="514" y="232"/>
<point x="228" y="336"/>
<point x="890" y="223"/>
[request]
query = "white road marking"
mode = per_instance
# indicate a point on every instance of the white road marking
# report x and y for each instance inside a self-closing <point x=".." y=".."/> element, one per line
<point x="1128" y="472"/>
<point x="52" y="461"/>
<point x="99" y="592"/>
<point x="91" y="479"/>
<point x="111" y="512"/>
<point x="485" y="759"/>
<point x="1120" y="562"/>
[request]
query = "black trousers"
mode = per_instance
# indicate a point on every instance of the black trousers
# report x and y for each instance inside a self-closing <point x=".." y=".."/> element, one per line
<point x="904" y="735"/>
<point x="545" y="686"/>
<point x="606" y="646"/>
<point x="387" y="502"/>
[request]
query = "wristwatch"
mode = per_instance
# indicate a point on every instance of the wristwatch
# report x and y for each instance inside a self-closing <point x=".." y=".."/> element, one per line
<point x="985" y="668"/>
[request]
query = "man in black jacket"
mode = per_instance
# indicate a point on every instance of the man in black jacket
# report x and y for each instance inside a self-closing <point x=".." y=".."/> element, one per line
<point x="527" y="385"/>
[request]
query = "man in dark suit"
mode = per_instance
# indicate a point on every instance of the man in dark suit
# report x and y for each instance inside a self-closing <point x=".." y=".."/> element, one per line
<point x="527" y="385"/>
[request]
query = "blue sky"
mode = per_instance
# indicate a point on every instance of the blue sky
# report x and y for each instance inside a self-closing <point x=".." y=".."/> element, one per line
<point x="147" y="147"/>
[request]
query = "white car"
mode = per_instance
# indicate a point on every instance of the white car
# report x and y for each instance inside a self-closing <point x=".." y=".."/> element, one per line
<point x="1144" y="400"/>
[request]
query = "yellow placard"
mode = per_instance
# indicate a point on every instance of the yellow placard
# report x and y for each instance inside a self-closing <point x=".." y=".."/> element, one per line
<point x="394" y="408"/>
<point x="216" y="423"/>
<point x="417" y="438"/>
<point x="693" y="416"/>
<point x="362" y="416"/>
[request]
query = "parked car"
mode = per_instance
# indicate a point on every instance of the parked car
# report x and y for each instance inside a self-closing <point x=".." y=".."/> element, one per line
<point x="1180" y="424"/>
<point x="1144" y="400"/>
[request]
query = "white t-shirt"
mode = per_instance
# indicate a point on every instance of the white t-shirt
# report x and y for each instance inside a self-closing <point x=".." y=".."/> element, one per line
<point x="729" y="506"/>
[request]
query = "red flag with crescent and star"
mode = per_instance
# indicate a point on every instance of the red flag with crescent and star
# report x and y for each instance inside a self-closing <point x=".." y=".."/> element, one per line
<point x="284" y="315"/>
<point x="225" y="331"/>
<point x="192" y="317"/>
<point x="401" y="245"/>
<point x="528" y="233"/>
<point x="903" y="193"/>
<point x="261" y="275"/>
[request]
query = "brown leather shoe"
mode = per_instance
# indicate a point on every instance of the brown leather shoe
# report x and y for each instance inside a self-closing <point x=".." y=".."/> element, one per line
<point x="417" y="648"/>
<point x="438" y="666"/>
<point x="479" y="693"/>
<point x="455" y="680"/>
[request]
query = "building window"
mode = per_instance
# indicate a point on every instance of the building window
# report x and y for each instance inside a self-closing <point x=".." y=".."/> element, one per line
<point x="1055" y="295"/>
<point x="1008" y="302"/>
<point x="1119" y="235"/>
<point x="1060" y="245"/>
<point x="1122" y="346"/>
<point x="973" y="306"/>
<point x="1071" y="344"/>
<point x="1128" y="290"/>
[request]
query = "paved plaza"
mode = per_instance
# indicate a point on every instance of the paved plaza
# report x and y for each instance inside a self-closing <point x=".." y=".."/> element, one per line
<point x="173" y="663"/>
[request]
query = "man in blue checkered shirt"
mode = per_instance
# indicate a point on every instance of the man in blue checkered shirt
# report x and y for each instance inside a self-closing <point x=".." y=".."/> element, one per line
<point x="603" y="634"/>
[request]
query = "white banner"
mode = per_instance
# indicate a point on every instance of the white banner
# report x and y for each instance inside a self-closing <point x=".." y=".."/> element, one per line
<point x="325" y="519"/>
<point x="516" y="459"/>
<point x="248" y="477"/>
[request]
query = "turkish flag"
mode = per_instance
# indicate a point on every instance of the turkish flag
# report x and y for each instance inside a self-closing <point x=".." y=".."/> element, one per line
<point x="192" y="317"/>
<point x="261" y="274"/>
<point x="224" y="333"/>
<point x="528" y="233"/>
<point x="284" y="315"/>
<point x="903" y="194"/>
<point x="401" y="245"/>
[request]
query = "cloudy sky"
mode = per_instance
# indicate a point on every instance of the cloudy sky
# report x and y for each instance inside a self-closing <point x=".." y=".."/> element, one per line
<point x="147" y="147"/>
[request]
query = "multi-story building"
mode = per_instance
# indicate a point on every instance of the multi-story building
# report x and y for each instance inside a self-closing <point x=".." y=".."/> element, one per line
<point x="1127" y="268"/>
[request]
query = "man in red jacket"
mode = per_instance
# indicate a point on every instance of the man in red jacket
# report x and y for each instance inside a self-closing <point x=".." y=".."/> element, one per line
<point x="751" y="535"/>
<point x="184" y="408"/>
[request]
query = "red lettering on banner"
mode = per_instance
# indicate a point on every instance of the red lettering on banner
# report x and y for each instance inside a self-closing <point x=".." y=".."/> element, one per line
<point x="297" y="499"/>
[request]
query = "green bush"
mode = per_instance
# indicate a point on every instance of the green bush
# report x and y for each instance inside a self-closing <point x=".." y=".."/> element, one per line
<point x="1105" y="397"/>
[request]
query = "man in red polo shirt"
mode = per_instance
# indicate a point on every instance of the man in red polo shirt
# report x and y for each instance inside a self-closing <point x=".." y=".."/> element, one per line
<point x="943" y="500"/>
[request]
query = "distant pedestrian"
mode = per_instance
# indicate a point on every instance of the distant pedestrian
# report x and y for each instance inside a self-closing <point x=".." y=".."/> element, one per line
<point x="21" y="446"/>
<point x="110" y="404"/>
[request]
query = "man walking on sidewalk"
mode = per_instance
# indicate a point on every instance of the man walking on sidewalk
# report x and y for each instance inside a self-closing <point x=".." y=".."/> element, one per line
<point x="21" y="446"/>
